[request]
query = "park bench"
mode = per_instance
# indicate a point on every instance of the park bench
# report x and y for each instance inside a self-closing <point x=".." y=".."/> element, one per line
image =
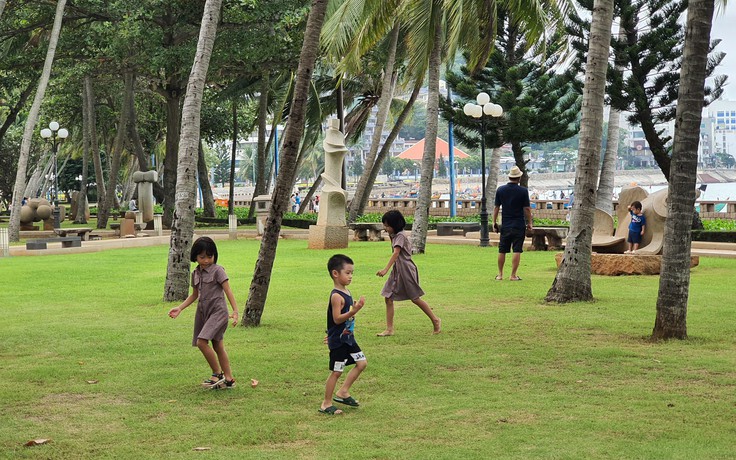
<point x="83" y="233"/>
<point x="448" y="228"/>
<point x="547" y="238"/>
<point x="66" y="242"/>
<point x="365" y="231"/>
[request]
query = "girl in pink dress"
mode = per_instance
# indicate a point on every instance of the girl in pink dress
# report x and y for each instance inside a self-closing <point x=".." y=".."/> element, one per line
<point x="403" y="282"/>
<point x="210" y="286"/>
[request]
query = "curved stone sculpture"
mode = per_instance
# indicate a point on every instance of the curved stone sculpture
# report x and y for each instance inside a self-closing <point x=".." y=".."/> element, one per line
<point x="331" y="231"/>
<point x="654" y="208"/>
<point x="332" y="203"/>
<point x="145" y="181"/>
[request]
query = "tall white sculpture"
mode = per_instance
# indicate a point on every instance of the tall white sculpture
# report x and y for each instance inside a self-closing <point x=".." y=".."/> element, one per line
<point x="331" y="231"/>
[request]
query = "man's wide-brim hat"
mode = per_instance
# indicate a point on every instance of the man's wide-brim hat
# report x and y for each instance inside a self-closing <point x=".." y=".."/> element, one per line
<point x="515" y="172"/>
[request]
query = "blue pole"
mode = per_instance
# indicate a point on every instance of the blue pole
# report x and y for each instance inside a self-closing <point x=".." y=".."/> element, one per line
<point x="276" y="151"/>
<point x="451" y="155"/>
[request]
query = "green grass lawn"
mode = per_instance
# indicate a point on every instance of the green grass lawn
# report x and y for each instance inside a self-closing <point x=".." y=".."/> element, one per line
<point x="509" y="377"/>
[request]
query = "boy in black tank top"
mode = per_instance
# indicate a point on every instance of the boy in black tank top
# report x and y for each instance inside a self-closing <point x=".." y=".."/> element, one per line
<point x="344" y="350"/>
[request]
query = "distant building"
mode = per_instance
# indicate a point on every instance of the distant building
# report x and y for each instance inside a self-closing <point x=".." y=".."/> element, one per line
<point x="640" y="154"/>
<point x="717" y="133"/>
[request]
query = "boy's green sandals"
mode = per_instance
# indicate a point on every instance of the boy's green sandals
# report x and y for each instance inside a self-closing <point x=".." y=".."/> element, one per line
<point x="349" y="401"/>
<point x="332" y="410"/>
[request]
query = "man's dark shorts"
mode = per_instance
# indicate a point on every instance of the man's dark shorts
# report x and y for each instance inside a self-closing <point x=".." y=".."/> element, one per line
<point x="345" y="355"/>
<point x="512" y="238"/>
<point x="634" y="237"/>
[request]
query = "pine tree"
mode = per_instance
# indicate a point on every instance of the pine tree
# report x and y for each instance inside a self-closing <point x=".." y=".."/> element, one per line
<point x="651" y="48"/>
<point x="539" y="104"/>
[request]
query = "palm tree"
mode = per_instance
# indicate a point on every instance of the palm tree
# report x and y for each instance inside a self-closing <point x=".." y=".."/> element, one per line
<point x="31" y="120"/>
<point x="91" y="132"/>
<point x="104" y="209"/>
<point x="604" y="194"/>
<point x="434" y="29"/>
<point x="287" y="172"/>
<point x="182" y="229"/>
<point x="572" y="282"/>
<point x="674" y="281"/>
<point x="421" y="213"/>
<point x="362" y="189"/>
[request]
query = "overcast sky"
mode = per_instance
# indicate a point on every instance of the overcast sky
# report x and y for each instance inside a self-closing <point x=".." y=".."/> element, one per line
<point x="724" y="27"/>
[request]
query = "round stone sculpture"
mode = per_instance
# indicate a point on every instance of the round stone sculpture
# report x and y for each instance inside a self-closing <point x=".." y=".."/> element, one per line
<point x="27" y="214"/>
<point x="43" y="212"/>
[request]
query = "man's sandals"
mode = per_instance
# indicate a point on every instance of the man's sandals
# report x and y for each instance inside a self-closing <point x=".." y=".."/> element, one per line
<point x="332" y="410"/>
<point x="349" y="401"/>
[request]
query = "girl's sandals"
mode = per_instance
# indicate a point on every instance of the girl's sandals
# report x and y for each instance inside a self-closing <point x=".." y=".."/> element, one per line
<point x="228" y="384"/>
<point x="215" y="381"/>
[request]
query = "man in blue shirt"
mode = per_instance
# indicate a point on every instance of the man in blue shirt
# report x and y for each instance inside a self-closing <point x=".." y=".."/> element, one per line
<point x="516" y="217"/>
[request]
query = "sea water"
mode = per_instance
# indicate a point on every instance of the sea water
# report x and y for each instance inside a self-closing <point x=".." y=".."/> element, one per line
<point x="719" y="191"/>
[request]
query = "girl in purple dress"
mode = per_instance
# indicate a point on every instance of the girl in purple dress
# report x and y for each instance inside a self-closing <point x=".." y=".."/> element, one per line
<point x="403" y="282"/>
<point x="209" y="283"/>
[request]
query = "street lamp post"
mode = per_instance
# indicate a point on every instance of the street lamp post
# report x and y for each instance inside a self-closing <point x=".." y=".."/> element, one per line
<point x="484" y="106"/>
<point x="55" y="136"/>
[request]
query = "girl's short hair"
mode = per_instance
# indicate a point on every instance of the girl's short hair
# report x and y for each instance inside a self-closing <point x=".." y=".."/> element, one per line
<point x="203" y="244"/>
<point x="395" y="220"/>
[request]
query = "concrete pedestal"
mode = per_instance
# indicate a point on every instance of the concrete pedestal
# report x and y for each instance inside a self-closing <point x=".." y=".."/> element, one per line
<point x="626" y="264"/>
<point x="327" y="237"/>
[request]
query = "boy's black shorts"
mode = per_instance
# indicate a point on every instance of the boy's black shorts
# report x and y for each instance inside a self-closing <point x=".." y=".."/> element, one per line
<point x="346" y="355"/>
<point x="634" y="237"/>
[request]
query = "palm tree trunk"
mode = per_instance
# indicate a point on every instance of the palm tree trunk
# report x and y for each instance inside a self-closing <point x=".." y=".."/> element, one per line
<point x="572" y="282"/>
<point x="182" y="230"/>
<point x="384" y="105"/>
<point x="117" y="154"/>
<point x="2" y="7"/>
<point x="31" y="120"/>
<point x="492" y="183"/>
<point x="173" y="126"/>
<point x="604" y="195"/>
<point x="93" y="145"/>
<point x="233" y="153"/>
<point x="81" y="214"/>
<point x="421" y="213"/>
<point x="136" y="146"/>
<point x="373" y="173"/>
<point x="285" y="182"/>
<point x="674" y="281"/>
<point x="606" y="184"/>
<point x="13" y="113"/>
<point x="208" y="198"/>
<point x="518" y="152"/>
<point x="261" y="154"/>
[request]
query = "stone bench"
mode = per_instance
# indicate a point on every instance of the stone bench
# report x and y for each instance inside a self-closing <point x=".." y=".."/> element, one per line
<point x="66" y="242"/>
<point x="364" y="231"/>
<point x="448" y="228"/>
<point x="83" y="233"/>
<point x="552" y="235"/>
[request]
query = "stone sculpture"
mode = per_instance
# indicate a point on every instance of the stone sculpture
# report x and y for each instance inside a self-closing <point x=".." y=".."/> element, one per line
<point x="608" y="246"/>
<point x="145" y="181"/>
<point x="331" y="231"/>
<point x="38" y="210"/>
<point x="654" y="207"/>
